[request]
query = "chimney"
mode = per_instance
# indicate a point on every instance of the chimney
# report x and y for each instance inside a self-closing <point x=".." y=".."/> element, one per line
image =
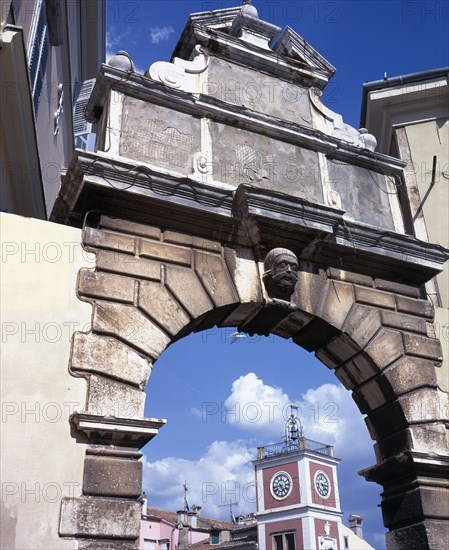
<point x="355" y="524"/>
<point x="144" y="501"/>
<point x="192" y="518"/>
<point x="182" y="517"/>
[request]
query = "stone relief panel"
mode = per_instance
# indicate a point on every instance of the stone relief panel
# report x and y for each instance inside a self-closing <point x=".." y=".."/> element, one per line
<point x="240" y="156"/>
<point x="160" y="136"/>
<point x="258" y="92"/>
<point x="365" y="194"/>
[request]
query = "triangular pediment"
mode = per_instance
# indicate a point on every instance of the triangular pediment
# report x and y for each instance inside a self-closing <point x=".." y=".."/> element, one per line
<point x="291" y="44"/>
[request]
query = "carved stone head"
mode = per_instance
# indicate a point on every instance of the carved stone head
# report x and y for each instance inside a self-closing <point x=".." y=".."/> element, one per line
<point x="280" y="273"/>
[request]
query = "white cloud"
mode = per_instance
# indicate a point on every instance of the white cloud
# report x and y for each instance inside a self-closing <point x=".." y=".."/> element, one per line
<point x="223" y="474"/>
<point x="160" y="34"/>
<point x="253" y="405"/>
<point x="327" y="413"/>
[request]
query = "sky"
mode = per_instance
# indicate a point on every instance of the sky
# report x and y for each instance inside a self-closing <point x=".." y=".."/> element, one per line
<point x="222" y="399"/>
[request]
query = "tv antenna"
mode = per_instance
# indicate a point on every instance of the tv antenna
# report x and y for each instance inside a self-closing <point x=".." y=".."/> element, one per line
<point x="230" y="504"/>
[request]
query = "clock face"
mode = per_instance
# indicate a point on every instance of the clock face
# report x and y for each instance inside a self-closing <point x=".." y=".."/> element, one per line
<point x="322" y="484"/>
<point x="281" y="485"/>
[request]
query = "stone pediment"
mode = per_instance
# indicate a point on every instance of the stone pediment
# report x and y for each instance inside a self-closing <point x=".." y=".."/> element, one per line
<point x="243" y="38"/>
<point x="291" y="44"/>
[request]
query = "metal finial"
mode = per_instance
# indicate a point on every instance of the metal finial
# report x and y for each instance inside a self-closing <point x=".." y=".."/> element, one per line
<point x="246" y="2"/>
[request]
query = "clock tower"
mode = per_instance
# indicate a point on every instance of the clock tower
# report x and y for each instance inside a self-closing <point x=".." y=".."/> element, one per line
<point x="298" y="505"/>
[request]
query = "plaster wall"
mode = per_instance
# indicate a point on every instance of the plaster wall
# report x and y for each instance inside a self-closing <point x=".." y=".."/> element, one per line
<point x="41" y="461"/>
<point x="426" y="140"/>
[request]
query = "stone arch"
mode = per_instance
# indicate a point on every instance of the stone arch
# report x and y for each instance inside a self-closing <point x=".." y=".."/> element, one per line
<point x="153" y="286"/>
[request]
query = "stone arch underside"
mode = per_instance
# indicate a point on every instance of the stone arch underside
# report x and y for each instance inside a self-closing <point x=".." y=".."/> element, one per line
<point x="152" y="286"/>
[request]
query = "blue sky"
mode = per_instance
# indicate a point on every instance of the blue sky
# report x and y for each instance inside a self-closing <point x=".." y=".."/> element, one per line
<point x="222" y="400"/>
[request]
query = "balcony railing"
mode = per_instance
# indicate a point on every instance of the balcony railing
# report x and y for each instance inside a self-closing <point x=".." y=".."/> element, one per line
<point x="301" y="444"/>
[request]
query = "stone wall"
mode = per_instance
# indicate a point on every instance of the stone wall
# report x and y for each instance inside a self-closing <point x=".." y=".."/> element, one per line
<point x="152" y="286"/>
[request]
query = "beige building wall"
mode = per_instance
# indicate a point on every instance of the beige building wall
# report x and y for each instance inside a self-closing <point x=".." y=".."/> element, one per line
<point x="426" y="140"/>
<point x="411" y="118"/>
<point x="40" y="460"/>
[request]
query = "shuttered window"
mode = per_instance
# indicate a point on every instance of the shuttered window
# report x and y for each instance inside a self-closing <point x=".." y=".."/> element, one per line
<point x="81" y="128"/>
<point x="38" y="54"/>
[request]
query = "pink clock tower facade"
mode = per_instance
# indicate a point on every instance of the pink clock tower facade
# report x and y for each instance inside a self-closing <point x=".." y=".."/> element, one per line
<point x="298" y="504"/>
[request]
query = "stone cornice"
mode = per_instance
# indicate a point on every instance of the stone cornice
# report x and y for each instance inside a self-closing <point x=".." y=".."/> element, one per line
<point x="201" y="105"/>
<point x="247" y="216"/>
<point x="408" y="463"/>
<point x="128" y="432"/>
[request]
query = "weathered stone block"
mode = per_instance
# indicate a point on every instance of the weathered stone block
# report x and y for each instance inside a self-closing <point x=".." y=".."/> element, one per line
<point x="421" y="346"/>
<point x="190" y="240"/>
<point x="359" y="369"/>
<point x="400" y="321"/>
<point x="376" y="392"/>
<point x="430" y="436"/>
<point x="362" y="324"/>
<point x="416" y="504"/>
<point x="312" y="286"/>
<point x="393" y="445"/>
<point x="107" y="355"/>
<point x="342" y="348"/>
<point x="420" y="308"/>
<point x="425" y="405"/>
<point x="165" y="252"/>
<point x="100" y="517"/>
<point x="106" y="545"/>
<point x="243" y="269"/>
<point x="397" y="288"/>
<point x="342" y="374"/>
<point x="111" y="476"/>
<point x="188" y="290"/>
<point x="130" y="325"/>
<point x="350" y="277"/>
<point x="374" y="298"/>
<point x="106" y="239"/>
<point x="129" y="265"/>
<point x="386" y="421"/>
<point x="427" y="534"/>
<point x="337" y="303"/>
<point x="292" y="324"/>
<point x="125" y="226"/>
<point x="106" y="285"/>
<point x="110" y="398"/>
<point x="409" y="373"/>
<point x="386" y="348"/>
<point x="240" y="314"/>
<point x="315" y="335"/>
<point x="212" y="272"/>
<point x="157" y="302"/>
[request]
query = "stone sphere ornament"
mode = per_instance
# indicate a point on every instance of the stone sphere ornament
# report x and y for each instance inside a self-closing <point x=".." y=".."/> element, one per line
<point x="121" y="60"/>
<point x="248" y="9"/>
<point x="280" y="273"/>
